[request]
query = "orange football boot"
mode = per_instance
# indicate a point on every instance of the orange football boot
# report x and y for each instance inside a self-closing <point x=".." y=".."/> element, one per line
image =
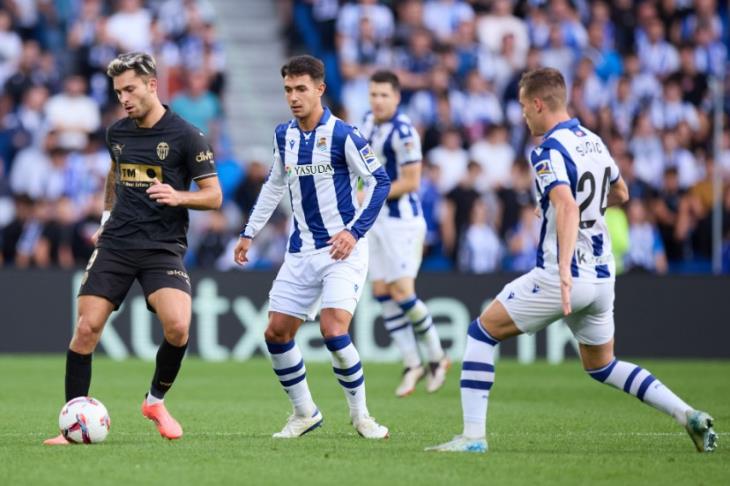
<point x="168" y="427"/>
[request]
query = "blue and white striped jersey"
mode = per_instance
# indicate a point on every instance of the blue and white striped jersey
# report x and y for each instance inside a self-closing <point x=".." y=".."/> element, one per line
<point x="573" y="155"/>
<point x="321" y="169"/>
<point x="396" y="143"/>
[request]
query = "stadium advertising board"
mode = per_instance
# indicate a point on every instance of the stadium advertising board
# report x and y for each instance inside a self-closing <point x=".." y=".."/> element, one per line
<point x="655" y="317"/>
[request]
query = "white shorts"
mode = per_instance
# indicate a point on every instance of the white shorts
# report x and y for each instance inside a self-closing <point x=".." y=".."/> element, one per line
<point x="533" y="302"/>
<point x="396" y="248"/>
<point x="306" y="279"/>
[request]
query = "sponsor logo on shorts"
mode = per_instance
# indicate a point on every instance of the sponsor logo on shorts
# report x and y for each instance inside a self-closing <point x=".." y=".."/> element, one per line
<point x="179" y="274"/>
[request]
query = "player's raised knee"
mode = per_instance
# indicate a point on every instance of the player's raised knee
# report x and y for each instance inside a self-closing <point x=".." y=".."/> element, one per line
<point x="274" y="334"/>
<point x="176" y="332"/>
<point x="88" y="329"/>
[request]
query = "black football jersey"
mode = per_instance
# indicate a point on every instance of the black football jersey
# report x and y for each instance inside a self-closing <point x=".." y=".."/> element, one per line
<point x="173" y="151"/>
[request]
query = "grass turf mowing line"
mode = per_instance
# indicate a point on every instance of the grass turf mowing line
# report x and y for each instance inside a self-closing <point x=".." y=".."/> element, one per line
<point x="547" y="425"/>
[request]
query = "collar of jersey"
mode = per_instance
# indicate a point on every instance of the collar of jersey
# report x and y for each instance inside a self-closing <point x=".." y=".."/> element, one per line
<point x="573" y="122"/>
<point x="325" y="118"/>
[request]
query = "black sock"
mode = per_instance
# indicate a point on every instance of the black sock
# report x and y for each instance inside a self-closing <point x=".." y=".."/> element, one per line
<point x="78" y="374"/>
<point x="169" y="359"/>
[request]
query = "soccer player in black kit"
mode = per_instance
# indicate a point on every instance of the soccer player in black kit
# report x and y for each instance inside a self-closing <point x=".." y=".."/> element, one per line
<point x="155" y="155"/>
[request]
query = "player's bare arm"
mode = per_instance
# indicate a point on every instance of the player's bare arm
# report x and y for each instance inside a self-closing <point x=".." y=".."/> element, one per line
<point x="209" y="196"/>
<point x="109" y="198"/>
<point x="408" y="181"/>
<point x="111" y="180"/>
<point x="567" y="215"/>
<point x="619" y="193"/>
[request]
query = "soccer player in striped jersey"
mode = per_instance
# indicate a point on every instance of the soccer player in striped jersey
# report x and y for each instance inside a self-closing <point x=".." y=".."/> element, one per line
<point x="576" y="179"/>
<point x="396" y="239"/>
<point x="319" y="159"/>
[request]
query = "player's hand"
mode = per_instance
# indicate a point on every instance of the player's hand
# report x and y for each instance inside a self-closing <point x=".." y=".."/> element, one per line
<point x="342" y="245"/>
<point x="239" y="253"/>
<point x="566" y="285"/>
<point x="163" y="193"/>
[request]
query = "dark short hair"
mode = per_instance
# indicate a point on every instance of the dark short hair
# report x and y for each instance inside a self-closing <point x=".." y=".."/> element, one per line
<point x="301" y="65"/>
<point x="548" y="84"/>
<point x="141" y="63"/>
<point x="386" y="76"/>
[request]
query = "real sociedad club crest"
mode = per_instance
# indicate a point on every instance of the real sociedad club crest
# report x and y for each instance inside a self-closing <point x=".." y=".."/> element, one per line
<point x="322" y="143"/>
<point x="163" y="149"/>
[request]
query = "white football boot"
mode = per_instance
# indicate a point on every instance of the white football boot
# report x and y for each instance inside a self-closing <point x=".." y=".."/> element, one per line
<point x="461" y="444"/>
<point x="699" y="428"/>
<point x="368" y="428"/>
<point x="411" y="376"/>
<point x="437" y="374"/>
<point x="297" y="426"/>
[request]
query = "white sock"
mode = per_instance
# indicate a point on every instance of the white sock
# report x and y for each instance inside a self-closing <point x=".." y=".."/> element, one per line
<point x="348" y="370"/>
<point x="289" y="368"/>
<point x="477" y="377"/>
<point x="151" y="399"/>
<point x="640" y="383"/>
<point x="420" y="318"/>
<point x="401" y="331"/>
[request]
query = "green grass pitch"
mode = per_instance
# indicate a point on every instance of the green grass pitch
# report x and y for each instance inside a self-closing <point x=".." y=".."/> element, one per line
<point x="547" y="425"/>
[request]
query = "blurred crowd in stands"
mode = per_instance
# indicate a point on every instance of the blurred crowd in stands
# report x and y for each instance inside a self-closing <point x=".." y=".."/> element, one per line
<point x="639" y="74"/>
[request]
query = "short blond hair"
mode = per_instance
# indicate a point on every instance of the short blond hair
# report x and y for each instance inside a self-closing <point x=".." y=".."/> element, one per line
<point x="141" y="63"/>
<point x="547" y="84"/>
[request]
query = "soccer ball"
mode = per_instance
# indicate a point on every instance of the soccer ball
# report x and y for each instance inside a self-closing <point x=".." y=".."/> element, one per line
<point x="84" y="420"/>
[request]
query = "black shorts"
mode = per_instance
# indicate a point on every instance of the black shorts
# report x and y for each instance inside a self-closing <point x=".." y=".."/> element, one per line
<point x="110" y="273"/>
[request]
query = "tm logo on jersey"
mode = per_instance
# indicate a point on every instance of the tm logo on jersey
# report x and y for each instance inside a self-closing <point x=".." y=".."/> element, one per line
<point x="367" y="154"/>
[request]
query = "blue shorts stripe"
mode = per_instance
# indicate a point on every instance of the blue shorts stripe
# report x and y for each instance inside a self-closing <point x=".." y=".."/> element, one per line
<point x="349" y="371"/>
<point x="476" y="366"/>
<point x="293" y="381"/>
<point x="630" y="379"/>
<point x="279" y="348"/>
<point x="477" y="332"/>
<point x="477" y="385"/>
<point x="645" y="386"/>
<point x="353" y="384"/>
<point x="292" y="369"/>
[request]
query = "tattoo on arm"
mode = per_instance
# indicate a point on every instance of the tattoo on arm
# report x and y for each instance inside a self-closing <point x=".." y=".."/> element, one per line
<point x="109" y="195"/>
